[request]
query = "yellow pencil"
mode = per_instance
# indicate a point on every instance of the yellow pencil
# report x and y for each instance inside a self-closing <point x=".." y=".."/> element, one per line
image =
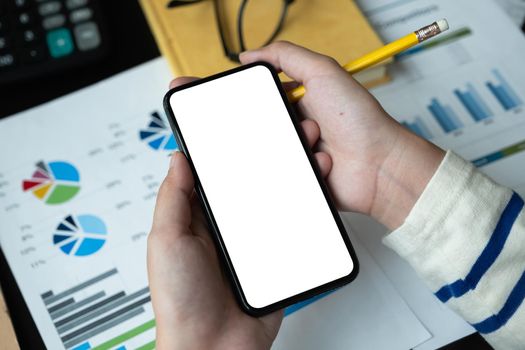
<point x="384" y="52"/>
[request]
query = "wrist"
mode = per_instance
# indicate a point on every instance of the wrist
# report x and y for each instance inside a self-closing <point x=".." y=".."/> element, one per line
<point x="227" y="341"/>
<point x="403" y="176"/>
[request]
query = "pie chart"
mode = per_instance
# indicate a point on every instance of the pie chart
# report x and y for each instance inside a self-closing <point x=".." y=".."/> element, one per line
<point x="53" y="182"/>
<point x="80" y="235"/>
<point x="157" y="135"/>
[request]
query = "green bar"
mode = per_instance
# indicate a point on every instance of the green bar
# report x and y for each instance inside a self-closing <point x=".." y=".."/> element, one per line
<point x="125" y="336"/>
<point x="148" y="346"/>
<point x="447" y="37"/>
<point x="516" y="148"/>
<point x="500" y="154"/>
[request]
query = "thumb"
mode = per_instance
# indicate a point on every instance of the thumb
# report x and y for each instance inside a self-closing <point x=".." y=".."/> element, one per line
<point x="173" y="209"/>
<point x="299" y="63"/>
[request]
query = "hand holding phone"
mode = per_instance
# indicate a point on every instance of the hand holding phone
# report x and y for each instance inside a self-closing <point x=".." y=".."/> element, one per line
<point x="274" y="224"/>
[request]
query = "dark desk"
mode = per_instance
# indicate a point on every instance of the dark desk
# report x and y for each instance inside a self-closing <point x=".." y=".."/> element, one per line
<point x="131" y="44"/>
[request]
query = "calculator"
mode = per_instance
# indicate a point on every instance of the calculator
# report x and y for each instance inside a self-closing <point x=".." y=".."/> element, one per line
<point x="42" y="37"/>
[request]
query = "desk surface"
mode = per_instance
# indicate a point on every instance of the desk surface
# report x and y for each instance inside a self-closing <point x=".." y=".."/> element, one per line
<point x="7" y="334"/>
<point x="132" y="44"/>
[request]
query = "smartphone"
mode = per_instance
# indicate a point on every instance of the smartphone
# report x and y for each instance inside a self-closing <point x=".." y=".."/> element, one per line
<point x="270" y="213"/>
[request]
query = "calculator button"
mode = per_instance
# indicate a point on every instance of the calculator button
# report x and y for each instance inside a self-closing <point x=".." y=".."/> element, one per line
<point x="49" y="8"/>
<point x="80" y="15"/>
<point x="33" y="55"/>
<point x="60" y="42"/>
<point x="87" y="36"/>
<point x="7" y="61"/>
<point x="73" y="4"/>
<point x="28" y="37"/>
<point x="20" y="3"/>
<point x="53" y="22"/>
<point x="4" y="42"/>
<point x="24" y="19"/>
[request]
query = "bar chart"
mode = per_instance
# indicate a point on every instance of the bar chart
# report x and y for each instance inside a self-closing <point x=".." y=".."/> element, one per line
<point x="79" y="319"/>
<point x="445" y="116"/>
<point x="500" y="154"/>
<point x="478" y="101"/>
<point x="473" y="103"/>
<point x="503" y="92"/>
<point x="418" y="127"/>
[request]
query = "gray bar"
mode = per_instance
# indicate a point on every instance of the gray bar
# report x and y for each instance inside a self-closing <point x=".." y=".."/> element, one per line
<point x="46" y="294"/>
<point x="61" y="305"/>
<point x="81" y="286"/>
<point x="76" y="305"/>
<point x="88" y="316"/>
<point x="105" y="319"/>
<point x="104" y="327"/>
<point x="90" y="309"/>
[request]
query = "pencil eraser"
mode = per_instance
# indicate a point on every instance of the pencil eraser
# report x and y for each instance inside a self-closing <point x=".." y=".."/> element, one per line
<point x="442" y="24"/>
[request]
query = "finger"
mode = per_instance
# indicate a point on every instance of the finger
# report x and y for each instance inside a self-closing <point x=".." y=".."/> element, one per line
<point x="199" y="224"/>
<point x="324" y="161"/>
<point x="297" y="62"/>
<point x="181" y="81"/>
<point x="173" y="210"/>
<point x="311" y="131"/>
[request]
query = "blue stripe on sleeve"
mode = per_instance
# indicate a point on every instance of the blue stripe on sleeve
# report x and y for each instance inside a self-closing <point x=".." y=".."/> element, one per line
<point x="515" y="299"/>
<point x="488" y="255"/>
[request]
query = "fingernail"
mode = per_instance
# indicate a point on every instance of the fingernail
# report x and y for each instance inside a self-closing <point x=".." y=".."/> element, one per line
<point x="172" y="160"/>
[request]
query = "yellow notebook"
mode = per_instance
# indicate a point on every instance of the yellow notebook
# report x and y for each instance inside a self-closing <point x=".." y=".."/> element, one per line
<point x="189" y="38"/>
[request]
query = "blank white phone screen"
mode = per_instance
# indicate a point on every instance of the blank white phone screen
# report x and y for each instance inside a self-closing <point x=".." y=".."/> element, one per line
<point x="272" y="215"/>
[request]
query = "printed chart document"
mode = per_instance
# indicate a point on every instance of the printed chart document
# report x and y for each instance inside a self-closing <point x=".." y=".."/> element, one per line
<point x="463" y="90"/>
<point x="354" y="316"/>
<point x="76" y="202"/>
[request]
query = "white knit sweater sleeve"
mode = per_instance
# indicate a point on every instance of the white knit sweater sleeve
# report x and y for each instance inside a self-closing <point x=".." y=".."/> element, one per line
<point x="465" y="237"/>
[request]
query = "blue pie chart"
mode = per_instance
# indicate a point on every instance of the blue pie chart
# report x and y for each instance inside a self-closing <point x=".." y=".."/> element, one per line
<point x="158" y="135"/>
<point x="80" y="235"/>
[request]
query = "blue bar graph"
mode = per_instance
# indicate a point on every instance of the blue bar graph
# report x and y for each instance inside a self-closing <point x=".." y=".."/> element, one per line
<point x="83" y="346"/>
<point x="445" y="116"/>
<point x="473" y="102"/>
<point x="418" y="127"/>
<point x="503" y="92"/>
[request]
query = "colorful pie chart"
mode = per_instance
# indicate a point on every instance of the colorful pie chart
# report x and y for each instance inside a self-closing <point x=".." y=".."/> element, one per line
<point x="80" y="235"/>
<point x="53" y="182"/>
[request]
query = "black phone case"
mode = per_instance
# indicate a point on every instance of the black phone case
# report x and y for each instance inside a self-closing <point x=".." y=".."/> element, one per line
<point x="215" y="233"/>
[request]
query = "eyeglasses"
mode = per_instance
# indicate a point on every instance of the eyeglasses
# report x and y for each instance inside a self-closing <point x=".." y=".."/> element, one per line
<point x="241" y="14"/>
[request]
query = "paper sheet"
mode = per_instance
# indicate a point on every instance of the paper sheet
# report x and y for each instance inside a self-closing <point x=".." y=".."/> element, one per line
<point x="463" y="91"/>
<point x="366" y="314"/>
<point x="77" y="189"/>
<point x="444" y="325"/>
